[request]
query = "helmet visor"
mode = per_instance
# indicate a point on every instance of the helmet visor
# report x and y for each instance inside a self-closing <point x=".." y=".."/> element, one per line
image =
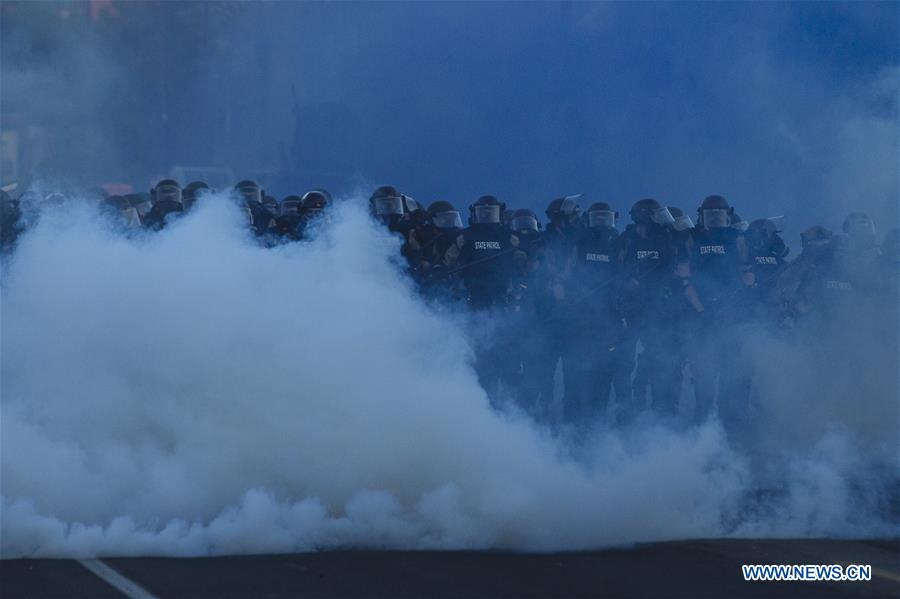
<point x="861" y="228"/>
<point x="524" y="223"/>
<point x="168" y="193"/>
<point x="290" y="207"/>
<point x="683" y="223"/>
<point x="716" y="218"/>
<point x="389" y="206"/>
<point x="484" y="215"/>
<point x="447" y="220"/>
<point x="601" y="218"/>
<point x="250" y="194"/>
<point x="662" y="216"/>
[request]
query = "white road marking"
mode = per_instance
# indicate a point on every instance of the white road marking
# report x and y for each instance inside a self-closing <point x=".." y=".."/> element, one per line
<point x="130" y="588"/>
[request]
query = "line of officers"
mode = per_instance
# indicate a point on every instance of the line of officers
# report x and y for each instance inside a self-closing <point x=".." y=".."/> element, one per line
<point x="624" y="313"/>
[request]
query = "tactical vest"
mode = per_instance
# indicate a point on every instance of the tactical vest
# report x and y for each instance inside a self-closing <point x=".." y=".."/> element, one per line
<point x="485" y="261"/>
<point x="715" y="261"/>
<point x="647" y="259"/>
<point x="596" y="258"/>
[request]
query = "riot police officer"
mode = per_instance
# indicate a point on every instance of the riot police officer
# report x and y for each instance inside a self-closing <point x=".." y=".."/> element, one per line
<point x="483" y="255"/>
<point x="861" y="251"/>
<point x="718" y="275"/>
<point x="271" y="204"/>
<point x="192" y="192"/>
<point x="767" y="252"/>
<point x="557" y="317"/>
<point x="648" y="258"/>
<point x="260" y="219"/>
<point x="166" y="198"/>
<point x="289" y="223"/>
<point x="596" y="367"/>
<point x="430" y="242"/>
<point x="315" y="205"/>
<point x="530" y="290"/>
<point x="386" y="205"/>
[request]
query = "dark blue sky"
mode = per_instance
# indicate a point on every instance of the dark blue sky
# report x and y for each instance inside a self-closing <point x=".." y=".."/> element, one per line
<point x="785" y="108"/>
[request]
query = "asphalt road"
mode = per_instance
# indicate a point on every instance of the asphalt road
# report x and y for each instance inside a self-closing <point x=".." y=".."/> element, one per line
<point x="710" y="568"/>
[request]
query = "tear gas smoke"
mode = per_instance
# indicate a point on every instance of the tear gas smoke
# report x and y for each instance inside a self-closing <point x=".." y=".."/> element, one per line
<point x="190" y="393"/>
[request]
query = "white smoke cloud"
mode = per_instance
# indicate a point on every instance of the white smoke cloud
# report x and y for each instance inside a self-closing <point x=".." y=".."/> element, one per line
<point x="190" y="393"/>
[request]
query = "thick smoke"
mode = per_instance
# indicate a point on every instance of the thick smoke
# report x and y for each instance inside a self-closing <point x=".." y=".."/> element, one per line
<point x="190" y="393"/>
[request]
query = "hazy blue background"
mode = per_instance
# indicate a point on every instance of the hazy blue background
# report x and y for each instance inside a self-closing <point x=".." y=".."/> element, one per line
<point x="786" y="108"/>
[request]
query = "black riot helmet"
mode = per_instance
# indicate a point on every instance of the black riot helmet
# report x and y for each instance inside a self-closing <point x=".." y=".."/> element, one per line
<point x="650" y="211"/>
<point x="524" y="219"/>
<point x="291" y="205"/>
<point x="386" y="204"/>
<point x="271" y="204"/>
<point x="815" y="239"/>
<point x="444" y="215"/>
<point x="860" y="229"/>
<point x="487" y="210"/>
<point x="167" y="190"/>
<point x="315" y="202"/>
<point x="192" y="191"/>
<point x="682" y="222"/>
<point x="714" y="213"/>
<point x="250" y="191"/>
<point x="763" y="238"/>
<point x="600" y="215"/>
<point x="564" y="210"/>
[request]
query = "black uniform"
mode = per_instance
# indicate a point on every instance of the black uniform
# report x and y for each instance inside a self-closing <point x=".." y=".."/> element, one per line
<point x="648" y="257"/>
<point x="162" y="213"/>
<point x="595" y="364"/>
<point x="482" y="256"/>
<point x="718" y="261"/>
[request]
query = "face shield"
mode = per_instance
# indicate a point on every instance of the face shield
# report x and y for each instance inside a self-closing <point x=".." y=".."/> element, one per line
<point x="861" y="229"/>
<point x="447" y="220"/>
<point x="314" y="213"/>
<point x="662" y="216"/>
<point x="391" y="206"/>
<point x="486" y="215"/>
<point x="290" y="207"/>
<point x="683" y="223"/>
<point x="250" y="194"/>
<point x="168" y="193"/>
<point x="717" y="218"/>
<point x="602" y="219"/>
<point x="524" y="223"/>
